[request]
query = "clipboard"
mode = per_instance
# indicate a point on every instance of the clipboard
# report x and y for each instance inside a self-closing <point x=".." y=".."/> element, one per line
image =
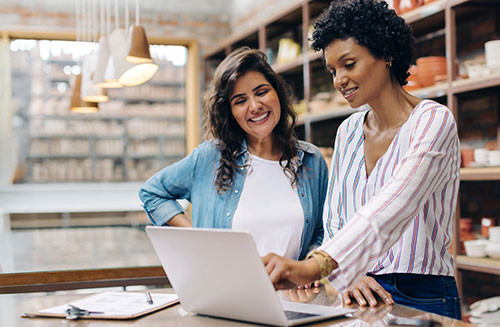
<point x="113" y="305"/>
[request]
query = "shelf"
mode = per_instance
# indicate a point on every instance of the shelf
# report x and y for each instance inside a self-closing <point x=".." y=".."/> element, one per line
<point x="160" y="136"/>
<point x="156" y="156"/>
<point x="431" y="92"/>
<point x="150" y="100"/>
<point x="339" y="112"/>
<point x="101" y="117"/>
<point x="74" y="136"/>
<point x="295" y="64"/>
<point x="427" y="18"/>
<point x="485" y="265"/>
<point x="59" y="156"/>
<point x="423" y="12"/>
<point x="480" y="174"/>
<point x="473" y="84"/>
<point x="164" y="83"/>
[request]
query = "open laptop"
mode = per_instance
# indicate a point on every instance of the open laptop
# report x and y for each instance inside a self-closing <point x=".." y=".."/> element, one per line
<point x="218" y="272"/>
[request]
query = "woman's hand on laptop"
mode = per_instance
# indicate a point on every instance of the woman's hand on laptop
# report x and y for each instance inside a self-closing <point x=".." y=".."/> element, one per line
<point x="287" y="273"/>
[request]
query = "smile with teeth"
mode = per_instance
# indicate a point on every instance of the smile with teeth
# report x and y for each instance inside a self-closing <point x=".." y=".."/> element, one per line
<point x="257" y="119"/>
<point x="347" y="93"/>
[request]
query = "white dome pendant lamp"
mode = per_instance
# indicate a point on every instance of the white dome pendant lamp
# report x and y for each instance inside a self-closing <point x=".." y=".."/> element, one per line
<point x="77" y="104"/>
<point x="106" y="77"/>
<point x="99" y="77"/>
<point x="90" y="91"/>
<point x="138" y="54"/>
<point x="118" y="46"/>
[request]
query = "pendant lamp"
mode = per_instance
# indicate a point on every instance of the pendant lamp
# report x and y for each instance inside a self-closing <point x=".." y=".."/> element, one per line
<point x="90" y="91"/>
<point x="103" y="72"/>
<point x="77" y="104"/>
<point x="137" y="53"/>
<point x="118" y="46"/>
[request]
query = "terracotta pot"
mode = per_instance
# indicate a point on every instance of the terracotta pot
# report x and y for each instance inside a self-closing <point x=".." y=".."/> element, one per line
<point x="429" y="68"/>
<point x="465" y="225"/>
<point x="466" y="156"/>
<point x="407" y="5"/>
<point x="413" y="82"/>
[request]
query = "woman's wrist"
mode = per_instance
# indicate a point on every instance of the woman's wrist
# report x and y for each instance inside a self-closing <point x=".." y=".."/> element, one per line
<point x="324" y="263"/>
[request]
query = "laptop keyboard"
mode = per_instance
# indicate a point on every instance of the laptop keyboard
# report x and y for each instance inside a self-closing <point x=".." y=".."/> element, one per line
<point x="294" y="315"/>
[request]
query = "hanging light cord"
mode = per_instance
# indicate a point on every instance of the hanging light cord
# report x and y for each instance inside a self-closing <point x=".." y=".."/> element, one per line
<point x="137" y="12"/>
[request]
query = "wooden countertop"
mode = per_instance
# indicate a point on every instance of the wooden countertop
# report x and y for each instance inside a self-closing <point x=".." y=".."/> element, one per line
<point x="12" y="306"/>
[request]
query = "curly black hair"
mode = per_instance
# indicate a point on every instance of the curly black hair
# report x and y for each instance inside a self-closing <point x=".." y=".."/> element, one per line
<point x="373" y="25"/>
<point x="220" y="123"/>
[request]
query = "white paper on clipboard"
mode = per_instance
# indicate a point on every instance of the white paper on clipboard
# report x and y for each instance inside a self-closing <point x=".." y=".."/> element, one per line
<point x="115" y="305"/>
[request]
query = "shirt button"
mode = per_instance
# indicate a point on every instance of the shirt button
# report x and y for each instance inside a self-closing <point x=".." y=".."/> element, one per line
<point x="307" y="221"/>
<point x="228" y="214"/>
<point x="303" y="195"/>
<point x="236" y="191"/>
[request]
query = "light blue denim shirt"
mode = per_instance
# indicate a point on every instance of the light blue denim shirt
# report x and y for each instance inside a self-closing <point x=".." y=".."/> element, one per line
<point x="193" y="177"/>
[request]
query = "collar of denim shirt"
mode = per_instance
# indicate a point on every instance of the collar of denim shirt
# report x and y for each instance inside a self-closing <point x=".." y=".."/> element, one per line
<point x="301" y="148"/>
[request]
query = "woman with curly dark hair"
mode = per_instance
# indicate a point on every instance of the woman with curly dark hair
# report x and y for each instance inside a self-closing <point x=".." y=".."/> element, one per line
<point x="395" y="172"/>
<point x="253" y="174"/>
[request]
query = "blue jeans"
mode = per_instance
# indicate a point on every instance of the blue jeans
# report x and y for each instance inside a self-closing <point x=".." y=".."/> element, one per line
<point x="436" y="294"/>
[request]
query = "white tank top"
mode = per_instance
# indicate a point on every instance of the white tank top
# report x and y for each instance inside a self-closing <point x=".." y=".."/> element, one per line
<point x="270" y="209"/>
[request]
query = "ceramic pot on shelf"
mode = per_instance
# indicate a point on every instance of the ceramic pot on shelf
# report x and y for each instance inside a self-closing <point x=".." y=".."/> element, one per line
<point x="429" y="68"/>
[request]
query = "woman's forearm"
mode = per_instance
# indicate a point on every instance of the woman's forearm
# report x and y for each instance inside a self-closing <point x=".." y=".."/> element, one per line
<point x="180" y="220"/>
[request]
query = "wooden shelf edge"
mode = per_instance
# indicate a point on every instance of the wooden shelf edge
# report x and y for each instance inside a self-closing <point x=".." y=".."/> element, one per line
<point x="480" y="174"/>
<point x="472" y="84"/>
<point x="430" y="92"/>
<point x="425" y="11"/>
<point x="286" y="66"/>
<point x="485" y="265"/>
<point x="339" y="112"/>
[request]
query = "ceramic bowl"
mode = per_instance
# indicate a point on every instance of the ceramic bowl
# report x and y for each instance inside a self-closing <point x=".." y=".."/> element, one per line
<point x="494" y="232"/>
<point x="492" y="52"/>
<point x="493" y="250"/>
<point x="494" y="158"/>
<point x="476" y="68"/>
<point x="476" y="248"/>
<point x="481" y="156"/>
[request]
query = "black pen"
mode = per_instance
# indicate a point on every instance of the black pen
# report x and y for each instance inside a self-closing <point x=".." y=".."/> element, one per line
<point x="148" y="298"/>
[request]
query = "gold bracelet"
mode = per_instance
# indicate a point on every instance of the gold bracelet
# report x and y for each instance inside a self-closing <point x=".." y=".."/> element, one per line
<point x="325" y="262"/>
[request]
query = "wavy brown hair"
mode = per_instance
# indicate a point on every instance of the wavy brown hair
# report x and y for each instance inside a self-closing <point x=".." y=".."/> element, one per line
<point x="220" y="124"/>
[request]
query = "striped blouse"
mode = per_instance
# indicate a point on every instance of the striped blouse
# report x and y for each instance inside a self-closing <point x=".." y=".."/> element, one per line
<point x="399" y="218"/>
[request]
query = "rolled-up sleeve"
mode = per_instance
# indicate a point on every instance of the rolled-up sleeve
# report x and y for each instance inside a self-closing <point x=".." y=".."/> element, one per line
<point x="160" y="193"/>
<point x="431" y="161"/>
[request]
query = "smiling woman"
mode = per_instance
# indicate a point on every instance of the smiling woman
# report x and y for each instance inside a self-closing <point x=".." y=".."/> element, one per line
<point x="386" y="232"/>
<point x="254" y="174"/>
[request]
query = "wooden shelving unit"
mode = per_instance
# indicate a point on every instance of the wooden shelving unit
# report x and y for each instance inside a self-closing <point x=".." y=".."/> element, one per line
<point x="480" y="174"/>
<point x="436" y="19"/>
<point x="484" y="265"/>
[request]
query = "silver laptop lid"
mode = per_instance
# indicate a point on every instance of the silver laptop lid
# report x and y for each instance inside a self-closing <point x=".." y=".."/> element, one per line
<point x="217" y="272"/>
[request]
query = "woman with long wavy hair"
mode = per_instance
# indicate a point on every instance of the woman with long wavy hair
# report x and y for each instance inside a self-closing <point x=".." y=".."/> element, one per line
<point x="252" y="173"/>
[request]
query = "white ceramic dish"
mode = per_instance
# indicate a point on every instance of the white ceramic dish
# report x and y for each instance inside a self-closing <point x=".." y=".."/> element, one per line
<point x="492" y="53"/>
<point x="493" y="250"/>
<point x="476" y="248"/>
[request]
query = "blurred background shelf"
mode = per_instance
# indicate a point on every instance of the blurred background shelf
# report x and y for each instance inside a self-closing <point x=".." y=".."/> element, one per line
<point x="484" y="265"/>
